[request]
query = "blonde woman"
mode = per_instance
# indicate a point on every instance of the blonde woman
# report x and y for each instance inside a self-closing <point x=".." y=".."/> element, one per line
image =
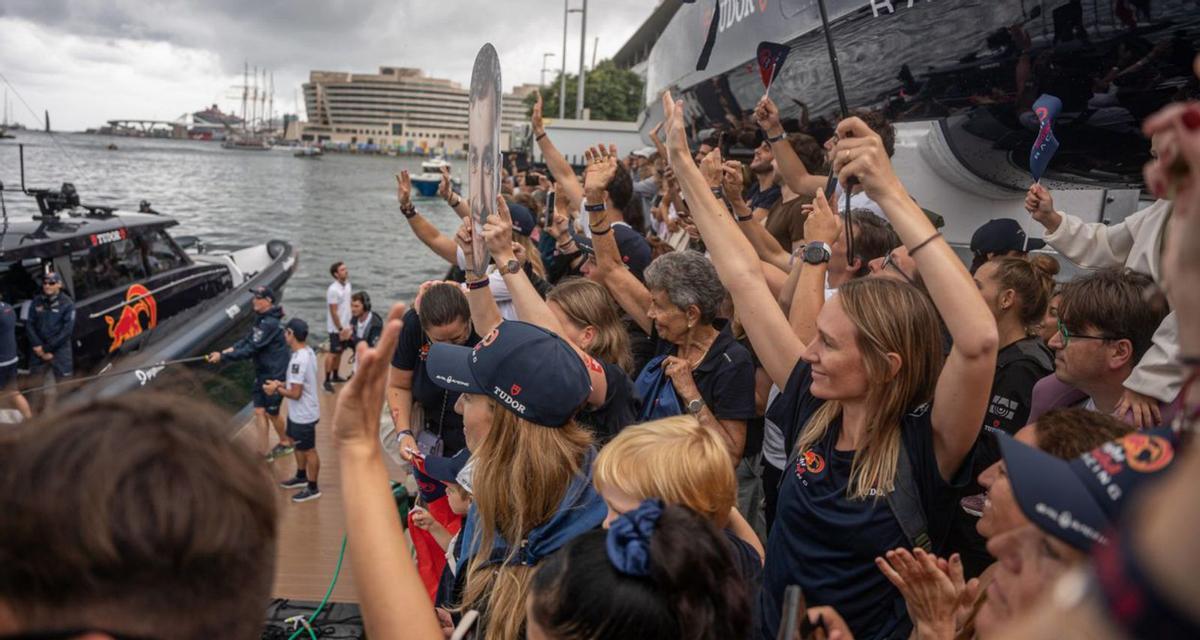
<point x="681" y="462"/>
<point x="853" y="405"/>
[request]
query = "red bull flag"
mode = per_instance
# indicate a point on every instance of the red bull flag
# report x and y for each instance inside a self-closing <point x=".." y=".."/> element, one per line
<point x="770" y="61"/>
<point x="1046" y="108"/>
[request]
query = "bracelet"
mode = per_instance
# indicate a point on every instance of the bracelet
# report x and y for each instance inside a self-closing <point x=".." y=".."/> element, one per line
<point x="746" y="218"/>
<point x="453" y="205"/>
<point x="718" y="192"/>
<point x="406" y="432"/>
<point x="921" y="245"/>
<point x="568" y="243"/>
<point x="538" y="137"/>
<point x="594" y="208"/>
<point x="478" y="284"/>
<point x="601" y="231"/>
<point x="774" y="139"/>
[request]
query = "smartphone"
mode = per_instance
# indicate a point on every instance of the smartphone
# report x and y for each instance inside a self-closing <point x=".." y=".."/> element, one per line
<point x="550" y="209"/>
<point x="830" y="186"/>
<point x="792" y="608"/>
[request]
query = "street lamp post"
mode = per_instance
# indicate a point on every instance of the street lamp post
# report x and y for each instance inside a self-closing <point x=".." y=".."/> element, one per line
<point x="582" y="58"/>
<point x="548" y="54"/>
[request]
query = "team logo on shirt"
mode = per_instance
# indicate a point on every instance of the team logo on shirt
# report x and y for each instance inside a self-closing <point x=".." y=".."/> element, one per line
<point x="810" y="462"/>
<point x="296" y="368"/>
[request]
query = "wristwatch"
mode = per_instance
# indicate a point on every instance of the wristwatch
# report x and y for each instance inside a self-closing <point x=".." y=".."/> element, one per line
<point x="816" y="253"/>
<point x="512" y="266"/>
<point x="694" y="407"/>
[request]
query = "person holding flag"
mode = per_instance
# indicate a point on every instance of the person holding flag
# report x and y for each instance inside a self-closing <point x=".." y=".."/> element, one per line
<point x="1134" y="243"/>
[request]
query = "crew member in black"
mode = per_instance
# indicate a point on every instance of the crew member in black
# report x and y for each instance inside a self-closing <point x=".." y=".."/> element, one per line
<point x="365" y="325"/>
<point x="266" y="345"/>
<point x="50" y="328"/>
<point x="8" y="362"/>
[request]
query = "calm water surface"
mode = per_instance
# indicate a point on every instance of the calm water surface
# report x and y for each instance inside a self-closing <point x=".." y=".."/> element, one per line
<point x="340" y="207"/>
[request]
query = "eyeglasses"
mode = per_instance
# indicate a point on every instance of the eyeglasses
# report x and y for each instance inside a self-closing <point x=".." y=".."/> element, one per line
<point x="1067" y="335"/>
<point x="889" y="261"/>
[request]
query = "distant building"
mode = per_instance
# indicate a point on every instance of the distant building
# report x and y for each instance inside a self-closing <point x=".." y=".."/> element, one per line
<point x="396" y="108"/>
<point x="636" y="51"/>
<point x="212" y="124"/>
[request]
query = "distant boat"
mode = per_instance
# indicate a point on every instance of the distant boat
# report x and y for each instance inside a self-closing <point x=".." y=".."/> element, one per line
<point x="427" y="182"/>
<point x="314" y="153"/>
<point x="246" y="142"/>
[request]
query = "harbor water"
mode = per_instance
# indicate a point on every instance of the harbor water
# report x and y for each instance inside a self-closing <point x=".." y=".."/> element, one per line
<point x="338" y="207"/>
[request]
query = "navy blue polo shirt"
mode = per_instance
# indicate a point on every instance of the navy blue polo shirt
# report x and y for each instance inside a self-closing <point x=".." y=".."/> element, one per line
<point x="438" y="403"/>
<point x="827" y="543"/>
<point x="725" y="377"/>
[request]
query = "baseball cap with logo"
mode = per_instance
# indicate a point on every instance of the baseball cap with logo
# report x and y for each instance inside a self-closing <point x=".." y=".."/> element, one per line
<point x="1002" y="235"/>
<point x="263" y="291"/>
<point x="299" y="328"/>
<point x="1078" y="501"/>
<point x="525" y="368"/>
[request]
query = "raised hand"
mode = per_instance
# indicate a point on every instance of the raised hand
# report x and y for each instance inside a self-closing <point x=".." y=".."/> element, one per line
<point x="360" y="403"/>
<point x="731" y="180"/>
<point x="676" y="132"/>
<point x="1040" y="205"/>
<point x="404" y="188"/>
<point x="444" y="189"/>
<point x="822" y="225"/>
<point x="535" y="118"/>
<point x="497" y="232"/>
<point x="766" y="114"/>
<point x="601" y="169"/>
<point x="711" y="168"/>
<point x="465" y="239"/>
<point x="859" y="153"/>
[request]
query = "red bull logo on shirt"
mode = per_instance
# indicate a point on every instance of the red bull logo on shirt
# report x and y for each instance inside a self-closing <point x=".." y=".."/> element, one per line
<point x="129" y="323"/>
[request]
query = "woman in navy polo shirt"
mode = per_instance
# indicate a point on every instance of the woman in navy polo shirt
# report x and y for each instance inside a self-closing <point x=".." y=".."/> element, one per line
<point x="854" y="403"/>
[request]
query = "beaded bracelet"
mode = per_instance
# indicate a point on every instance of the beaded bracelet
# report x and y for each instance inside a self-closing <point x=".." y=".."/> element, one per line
<point x="409" y="210"/>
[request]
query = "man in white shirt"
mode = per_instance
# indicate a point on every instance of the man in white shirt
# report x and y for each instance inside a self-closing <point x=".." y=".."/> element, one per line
<point x="303" y="410"/>
<point x="337" y="321"/>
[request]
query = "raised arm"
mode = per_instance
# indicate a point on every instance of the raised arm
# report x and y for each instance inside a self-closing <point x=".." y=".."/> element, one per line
<point x="530" y="306"/>
<point x="383" y="569"/>
<point x="629" y="292"/>
<point x="558" y="165"/>
<point x="455" y="201"/>
<point x="765" y="244"/>
<point x="795" y="174"/>
<point x="428" y="234"/>
<point x="734" y="257"/>
<point x="808" y="298"/>
<point x="964" y="386"/>
<point x="485" y="313"/>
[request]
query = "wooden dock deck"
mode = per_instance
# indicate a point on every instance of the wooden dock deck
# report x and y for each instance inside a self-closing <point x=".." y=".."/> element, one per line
<point x="310" y="533"/>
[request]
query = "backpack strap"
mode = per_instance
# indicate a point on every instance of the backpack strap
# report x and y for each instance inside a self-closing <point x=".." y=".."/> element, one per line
<point x="905" y="502"/>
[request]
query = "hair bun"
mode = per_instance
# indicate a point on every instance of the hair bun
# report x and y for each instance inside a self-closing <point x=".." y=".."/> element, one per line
<point x="1044" y="264"/>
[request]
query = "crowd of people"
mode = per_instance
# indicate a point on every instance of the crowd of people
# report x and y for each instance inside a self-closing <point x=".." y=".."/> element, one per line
<point x="671" y="399"/>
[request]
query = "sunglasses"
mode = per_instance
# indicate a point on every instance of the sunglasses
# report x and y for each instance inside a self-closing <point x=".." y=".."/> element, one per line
<point x="890" y="262"/>
<point x="1067" y="335"/>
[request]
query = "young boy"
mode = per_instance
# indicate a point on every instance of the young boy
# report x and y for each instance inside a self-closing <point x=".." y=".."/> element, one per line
<point x="440" y="519"/>
<point x="304" y="410"/>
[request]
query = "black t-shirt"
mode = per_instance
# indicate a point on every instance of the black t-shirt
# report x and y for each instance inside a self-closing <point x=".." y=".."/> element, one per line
<point x="8" y="335"/>
<point x="438" y="403"/>
<point x="620" y="408"/>
<point x="725" y="377"/>
<point x="827" y="543"/>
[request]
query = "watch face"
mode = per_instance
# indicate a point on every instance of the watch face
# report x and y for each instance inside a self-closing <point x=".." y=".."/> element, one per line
<point x="815" y="254"/>
<point x="512" y="266"/>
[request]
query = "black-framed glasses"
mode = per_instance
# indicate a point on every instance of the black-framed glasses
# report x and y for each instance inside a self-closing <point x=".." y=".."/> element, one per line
<point x="1067" y="335"/>
<point x="890" y="262"/>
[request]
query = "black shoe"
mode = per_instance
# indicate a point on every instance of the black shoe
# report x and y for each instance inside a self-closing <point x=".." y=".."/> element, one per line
<point x="294" y="482"/>
<point x="306" y="495"/>
<point x="329" y="386"/>
<point x="337" y="379"/>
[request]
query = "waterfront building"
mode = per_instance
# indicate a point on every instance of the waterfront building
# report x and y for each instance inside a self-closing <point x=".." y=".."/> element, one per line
<point x="398" y="109"/>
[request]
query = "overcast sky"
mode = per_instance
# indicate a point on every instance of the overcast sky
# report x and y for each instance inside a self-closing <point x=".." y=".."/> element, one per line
<point x="89" y="61"/>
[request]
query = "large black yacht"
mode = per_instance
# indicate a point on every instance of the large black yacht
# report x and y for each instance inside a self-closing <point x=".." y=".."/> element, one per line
<point x="143" y="298"/>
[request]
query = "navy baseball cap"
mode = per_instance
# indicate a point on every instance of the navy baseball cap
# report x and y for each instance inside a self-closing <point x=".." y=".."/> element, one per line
<point x="522" y="218"/>
<point x="584" y="243"/>
<point x="635" y="251"/>
<point x="263" y="291"/>
<point x="1002" y="235"/>
<point x="298" y="327"/>
<point x="51" y="276"/>
<point x="1078" y="501"/>
<point x="525" y="368"/>
<point x="445" y="469"/>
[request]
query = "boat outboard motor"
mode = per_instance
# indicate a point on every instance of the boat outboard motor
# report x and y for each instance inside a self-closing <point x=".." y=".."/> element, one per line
<point x="144" y="207"/>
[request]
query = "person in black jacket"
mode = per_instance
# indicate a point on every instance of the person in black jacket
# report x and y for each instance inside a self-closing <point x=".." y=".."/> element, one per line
<point x="50" y="328"/>
<point x="266" y="345"/>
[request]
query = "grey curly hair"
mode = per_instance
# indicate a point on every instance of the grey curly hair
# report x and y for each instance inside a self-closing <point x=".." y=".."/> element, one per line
<point x="689" y="279"/>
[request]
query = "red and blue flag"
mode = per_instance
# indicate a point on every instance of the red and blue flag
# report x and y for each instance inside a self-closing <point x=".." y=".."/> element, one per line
<point x="770" y="61"/>
<point x="1046" y="108"/>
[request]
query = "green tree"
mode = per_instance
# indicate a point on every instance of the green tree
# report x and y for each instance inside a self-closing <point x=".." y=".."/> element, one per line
<point x="610" y="94"/>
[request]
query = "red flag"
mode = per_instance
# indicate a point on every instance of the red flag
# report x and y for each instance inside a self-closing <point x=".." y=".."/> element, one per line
<point x="770" y="61"/>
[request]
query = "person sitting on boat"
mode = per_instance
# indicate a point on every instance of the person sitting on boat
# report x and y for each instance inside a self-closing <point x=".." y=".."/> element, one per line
<point x="50" y="327"/>
<point x="264" y="344"/>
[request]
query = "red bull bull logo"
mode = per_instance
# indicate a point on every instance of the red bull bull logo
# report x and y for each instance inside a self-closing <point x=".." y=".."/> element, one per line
<point x="129" y="323"/>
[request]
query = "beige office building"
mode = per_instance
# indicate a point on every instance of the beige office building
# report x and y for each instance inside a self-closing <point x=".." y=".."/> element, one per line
<point x="397" y="108"/>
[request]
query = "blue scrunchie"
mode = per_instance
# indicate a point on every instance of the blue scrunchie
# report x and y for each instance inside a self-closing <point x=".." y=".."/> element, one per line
<point x="628" y="542"/>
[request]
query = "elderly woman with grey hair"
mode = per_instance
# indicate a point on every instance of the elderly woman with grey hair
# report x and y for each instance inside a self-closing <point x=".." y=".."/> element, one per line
<point x="712" y="374"/>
